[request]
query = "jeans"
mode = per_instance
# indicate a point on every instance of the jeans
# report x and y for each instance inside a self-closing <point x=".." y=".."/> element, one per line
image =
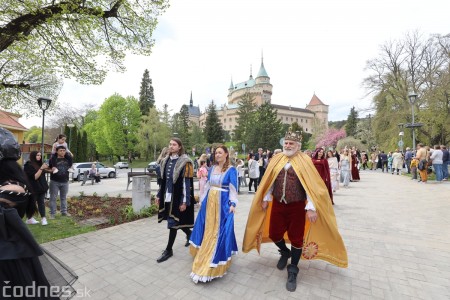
<point x="408" y="165"/>
<point x="40" y="199"/>
<point x="62" y="188"/>
<point x="438" y="170"/>
<point x="445" y="169"/>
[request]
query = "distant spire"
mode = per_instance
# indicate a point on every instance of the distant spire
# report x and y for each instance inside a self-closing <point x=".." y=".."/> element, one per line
<point x="231" y="84"/>
<point x="191" y="103"/>
<point x="262" y="71"/>
<point x="251" y="73"/>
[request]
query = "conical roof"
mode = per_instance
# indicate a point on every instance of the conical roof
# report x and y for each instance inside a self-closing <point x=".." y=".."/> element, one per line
<point x="262" y="71"/>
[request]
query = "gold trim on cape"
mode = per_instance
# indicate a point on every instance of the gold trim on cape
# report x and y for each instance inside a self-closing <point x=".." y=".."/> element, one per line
<point x="323" y="233"/>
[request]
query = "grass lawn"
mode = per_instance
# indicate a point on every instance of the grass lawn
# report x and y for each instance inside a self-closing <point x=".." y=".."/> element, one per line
<point x="59" y="228"/>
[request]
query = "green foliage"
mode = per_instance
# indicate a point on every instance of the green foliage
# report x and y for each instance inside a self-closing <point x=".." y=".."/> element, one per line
<point x="352" y="121"/>
<point x="197" y="138"/>
<point x="153" y="135"/>
<point x="105" y="197"/>
<point x="81" y="196"/>
<point x="213" y="127"/>
<point x="245" y="113"/>
<point x="266" y="129"/>
<point x="336" y="124"/>
<point x="94" y="194"/>
<point x="114" y="132"/>
<point x="42" y="42"/>
<point x="146" y="96"/>
<point x="411" y="64"/>
<point x="184" y="125"/>
<point x="33" y="135"/>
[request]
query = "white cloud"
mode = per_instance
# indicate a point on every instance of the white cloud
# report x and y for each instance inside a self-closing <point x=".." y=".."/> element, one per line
<point x="309" y="46"/>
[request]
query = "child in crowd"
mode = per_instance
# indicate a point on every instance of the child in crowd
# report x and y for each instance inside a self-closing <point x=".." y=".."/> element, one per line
<point x="202" y="175"/>
<point x="61" y="140"/>
<point x="413" y="166"/>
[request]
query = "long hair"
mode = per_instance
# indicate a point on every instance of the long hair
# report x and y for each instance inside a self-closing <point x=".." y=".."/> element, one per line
<point x="163" y="154"/>
<point x="178" y="141"/>
<point x="10" y="170"/>
<point x="316" y="153"/>
<point x="227" y="161"/>
<point x="34" y="162"/>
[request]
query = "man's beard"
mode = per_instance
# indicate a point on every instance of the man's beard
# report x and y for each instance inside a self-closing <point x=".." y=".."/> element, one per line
<point x="289" y="153"/>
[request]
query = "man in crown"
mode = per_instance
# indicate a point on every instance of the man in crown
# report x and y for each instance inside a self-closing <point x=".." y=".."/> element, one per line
<point x="292" y="204"/>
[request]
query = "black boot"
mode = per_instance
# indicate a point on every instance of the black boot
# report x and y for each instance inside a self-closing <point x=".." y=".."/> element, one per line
<point x="188" y="237"/>
<point x="282" y="262"/>
<point x="291" y="284"/>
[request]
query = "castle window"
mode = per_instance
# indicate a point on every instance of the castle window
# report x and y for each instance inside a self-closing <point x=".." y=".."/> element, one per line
<point x="306" y="129"/>
<point x="292" y="119"/>
<point x="231" y="119"/>
<point x="301" y="120"/>
<point x="225" y="120"/>
<point x="306" y="121"/>
<point x="287" y="119"/>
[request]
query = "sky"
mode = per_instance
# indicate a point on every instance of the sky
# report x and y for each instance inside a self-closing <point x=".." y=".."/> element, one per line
<point x="314" y="46"/>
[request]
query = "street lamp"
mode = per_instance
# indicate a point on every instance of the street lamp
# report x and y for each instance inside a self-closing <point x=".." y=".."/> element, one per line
<point x="70" y="133"/>
<point x="44" y="104"/>
<point x="412" y="100"/>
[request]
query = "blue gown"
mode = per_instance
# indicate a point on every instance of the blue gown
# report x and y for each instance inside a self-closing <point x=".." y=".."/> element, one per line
<point x="213" y="240"/>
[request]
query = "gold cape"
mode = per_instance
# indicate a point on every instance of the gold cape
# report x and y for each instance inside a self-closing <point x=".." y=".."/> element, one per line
<point x="321" y="239"/>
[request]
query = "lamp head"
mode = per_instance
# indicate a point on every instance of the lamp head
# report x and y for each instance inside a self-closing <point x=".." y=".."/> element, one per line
<point x="44" y="103"/>
<point x="412" y="97"/>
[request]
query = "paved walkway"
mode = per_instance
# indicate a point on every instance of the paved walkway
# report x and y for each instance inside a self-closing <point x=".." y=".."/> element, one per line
<point x="397" y="234"/>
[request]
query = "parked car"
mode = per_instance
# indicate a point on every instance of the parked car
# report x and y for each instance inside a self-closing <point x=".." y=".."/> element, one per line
<point x="79" y="169"/>
<point x="151" y="168"/>
<point x="121" y="165"/>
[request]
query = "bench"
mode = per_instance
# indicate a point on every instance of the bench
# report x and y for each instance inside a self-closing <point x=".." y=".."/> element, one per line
<point x="132" y="173"/>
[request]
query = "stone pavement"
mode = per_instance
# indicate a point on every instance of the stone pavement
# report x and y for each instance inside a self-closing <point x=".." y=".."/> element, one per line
<point x="397" y="234"/>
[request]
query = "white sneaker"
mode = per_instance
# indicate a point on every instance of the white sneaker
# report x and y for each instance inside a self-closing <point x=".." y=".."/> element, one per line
<point x="32" y="221"/>
<point x="44" y="221"/>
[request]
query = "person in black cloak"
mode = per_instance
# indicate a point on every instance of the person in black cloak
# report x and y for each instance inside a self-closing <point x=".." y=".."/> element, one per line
<point x="27" y="271"/>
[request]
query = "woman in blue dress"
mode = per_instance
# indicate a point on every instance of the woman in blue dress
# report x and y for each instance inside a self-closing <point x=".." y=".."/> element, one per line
<point x="213" y="241"/>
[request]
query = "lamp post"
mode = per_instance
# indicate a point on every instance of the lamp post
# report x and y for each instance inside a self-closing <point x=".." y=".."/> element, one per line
<point x="44" y="104"/>
<point x="70" y="133"/>
<point x="412" y="100"/>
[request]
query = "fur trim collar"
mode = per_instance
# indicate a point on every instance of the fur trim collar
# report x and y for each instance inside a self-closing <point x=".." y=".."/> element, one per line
<point x="179" y="165"/>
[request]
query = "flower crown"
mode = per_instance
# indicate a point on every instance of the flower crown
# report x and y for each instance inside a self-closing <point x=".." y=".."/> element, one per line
<point x="293" y="136"/>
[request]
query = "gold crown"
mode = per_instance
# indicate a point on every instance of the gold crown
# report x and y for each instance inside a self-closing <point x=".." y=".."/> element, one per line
<point x="293" y="136"/>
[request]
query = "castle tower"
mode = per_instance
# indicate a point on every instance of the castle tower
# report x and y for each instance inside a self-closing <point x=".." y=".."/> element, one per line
<point x="320" y="109"/>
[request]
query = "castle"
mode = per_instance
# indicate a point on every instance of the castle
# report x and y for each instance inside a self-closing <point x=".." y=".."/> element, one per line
<point x="260" y="89"/>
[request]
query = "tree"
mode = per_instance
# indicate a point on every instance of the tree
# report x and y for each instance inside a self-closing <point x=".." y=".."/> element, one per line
<point x="330" y="138"/>
<point x="266" y="129"/>
<point x="117" y="125"/>
<point x="352" y="121"/>
<point x="245" y="113"/>
<point x="146" y="96"/>
<point x="44" y="41"/>
<point x="184" y="125"/>
<point x="213" y="127"/>
<point x="153" y="134"/>
<point x="33" y="135"/>
<point x="411" y="64"/>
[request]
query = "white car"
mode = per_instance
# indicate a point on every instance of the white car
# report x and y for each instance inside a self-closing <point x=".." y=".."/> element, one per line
<point x="121" y="164"/>
<point x="80" y="168"/>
